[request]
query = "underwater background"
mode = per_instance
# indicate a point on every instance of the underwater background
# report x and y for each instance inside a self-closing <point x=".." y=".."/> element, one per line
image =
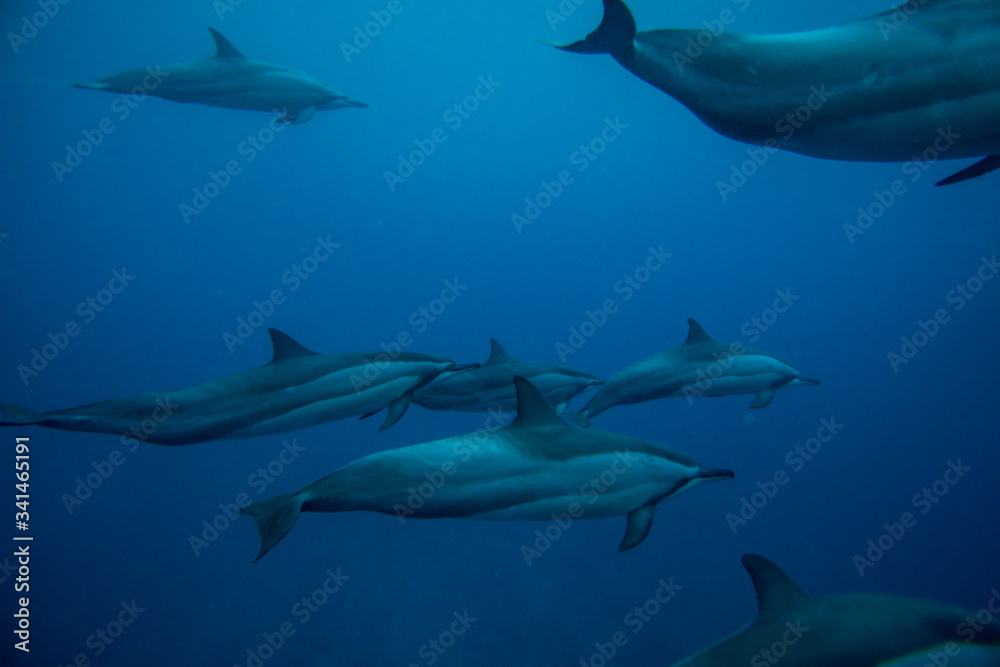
<point x="132" y="543"/>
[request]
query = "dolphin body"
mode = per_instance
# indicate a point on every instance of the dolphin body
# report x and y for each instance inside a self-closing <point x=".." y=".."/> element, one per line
<point x="887" y="88"/>
<point x="857" y="629"/>
<point x="231" y="80"/>
<point x="491" y="386"/>
<point x="534" y="468"/>
<point x="701" y="366"/>
<point x="297" y="389"/>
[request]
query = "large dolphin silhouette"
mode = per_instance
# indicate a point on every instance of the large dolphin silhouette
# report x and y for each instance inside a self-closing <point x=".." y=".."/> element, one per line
<point x="298" y="388"/>
<point x="231" y="80"/>
<point x="701" y="366"/>
<point x="882" y="89"/>
<point x="491" y="386"/>
<point x="535" y="468"/>
<point x="857" y="629"/>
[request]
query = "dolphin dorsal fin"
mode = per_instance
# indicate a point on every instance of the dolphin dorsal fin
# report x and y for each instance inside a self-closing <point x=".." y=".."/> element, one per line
<point x="223" y="49"/>
<point x="778" y="597"/>
<point x="286" y="347"/>
<point x="696" y="334"/>
<point x="532" y="408"/>
<point x="498" y="355"/>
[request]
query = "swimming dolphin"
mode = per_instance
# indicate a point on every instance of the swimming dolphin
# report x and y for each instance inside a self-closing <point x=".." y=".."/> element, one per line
<point x="536" y="468"/>
<point x="701" y="366"/>
<point x="491" y="386"/>
<point x="231" y="80"/>
<point x="857" y="629"/>
<point x="887" y="88"/>
<point x="298" y="388"/>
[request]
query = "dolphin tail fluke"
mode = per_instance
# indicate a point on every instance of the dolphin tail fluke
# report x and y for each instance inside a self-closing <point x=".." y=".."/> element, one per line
<point x="615" y="35"/>
<point x="984" y="166"/>
<point x="274" y="518"/>
<point x="12" y="415"/>
<point x="579" y="418"/>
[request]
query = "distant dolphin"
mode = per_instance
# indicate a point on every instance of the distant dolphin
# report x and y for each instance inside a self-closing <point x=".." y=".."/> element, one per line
<point x="297" y="389"/>
<point x="231" y="80"/>
<point x="491" y="386"/>
<point x="856" y="630"/>
<point x="531" y="470"/>
<point x="701" y="366"/>
<point x="876" y="90"/>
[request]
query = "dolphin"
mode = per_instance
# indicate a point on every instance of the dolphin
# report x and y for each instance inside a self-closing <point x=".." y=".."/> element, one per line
<point x="919" y="80"/>
<point x="701" y="366"/>
<point x="231" y="80"/>
<point x="857" y="629"/>
<point x="296" y="389"/>
<point x="536" y="468"/>
<point x="491" y="386"/>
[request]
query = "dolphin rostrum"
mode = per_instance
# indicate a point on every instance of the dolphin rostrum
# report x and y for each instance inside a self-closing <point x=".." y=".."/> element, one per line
<point x="491" y="386"/>
<point x="536" y="468"/>
<point x="298" y="388"/>
<point x="231" y="80"/>
<point x="895" y="87"/>
<point x="702" y="366"/>
<point x="852" y="629"/>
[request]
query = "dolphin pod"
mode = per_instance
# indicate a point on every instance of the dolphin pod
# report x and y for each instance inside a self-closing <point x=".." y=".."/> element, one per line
<point x="701" y="366"/>
<point x="296" y="389"/>
<point x="850" y="629"/>
<point x="534" y="468"/>
<point x="491" y="386"/>
<point x="873" y="90"/>
<point x="231" y="80"/>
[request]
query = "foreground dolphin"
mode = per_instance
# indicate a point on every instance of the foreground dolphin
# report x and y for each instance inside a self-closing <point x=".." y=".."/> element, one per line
<point x="883" y="89"/>
<point x="298" y="388"/>
<point x="701" y="366"/>
<point x="535" y="468"/>
<point x="231" y="80"/>
<point x="491" y="386"/>
<point x="854" y="629"/>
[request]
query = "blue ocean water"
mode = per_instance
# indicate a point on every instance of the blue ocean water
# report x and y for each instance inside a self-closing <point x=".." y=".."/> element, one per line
<point x="130" y="551"/>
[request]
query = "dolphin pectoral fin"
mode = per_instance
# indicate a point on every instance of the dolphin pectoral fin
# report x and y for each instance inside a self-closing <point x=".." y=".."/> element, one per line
<point x="13" y="415"/>
<point x="984" y="166"/>
<point x="615" y="34"/>
<point x="639" y="523"/>
<point x="763" y="399"/>
<point x="297" y="118"/>
<point x="91" y="86"/>
<point x="274" y="518"/>
<point x="223" y="49"/>
<point x="395" y="410"/>
<point x="579" y="418"/>
<point x="560" y="407"/>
